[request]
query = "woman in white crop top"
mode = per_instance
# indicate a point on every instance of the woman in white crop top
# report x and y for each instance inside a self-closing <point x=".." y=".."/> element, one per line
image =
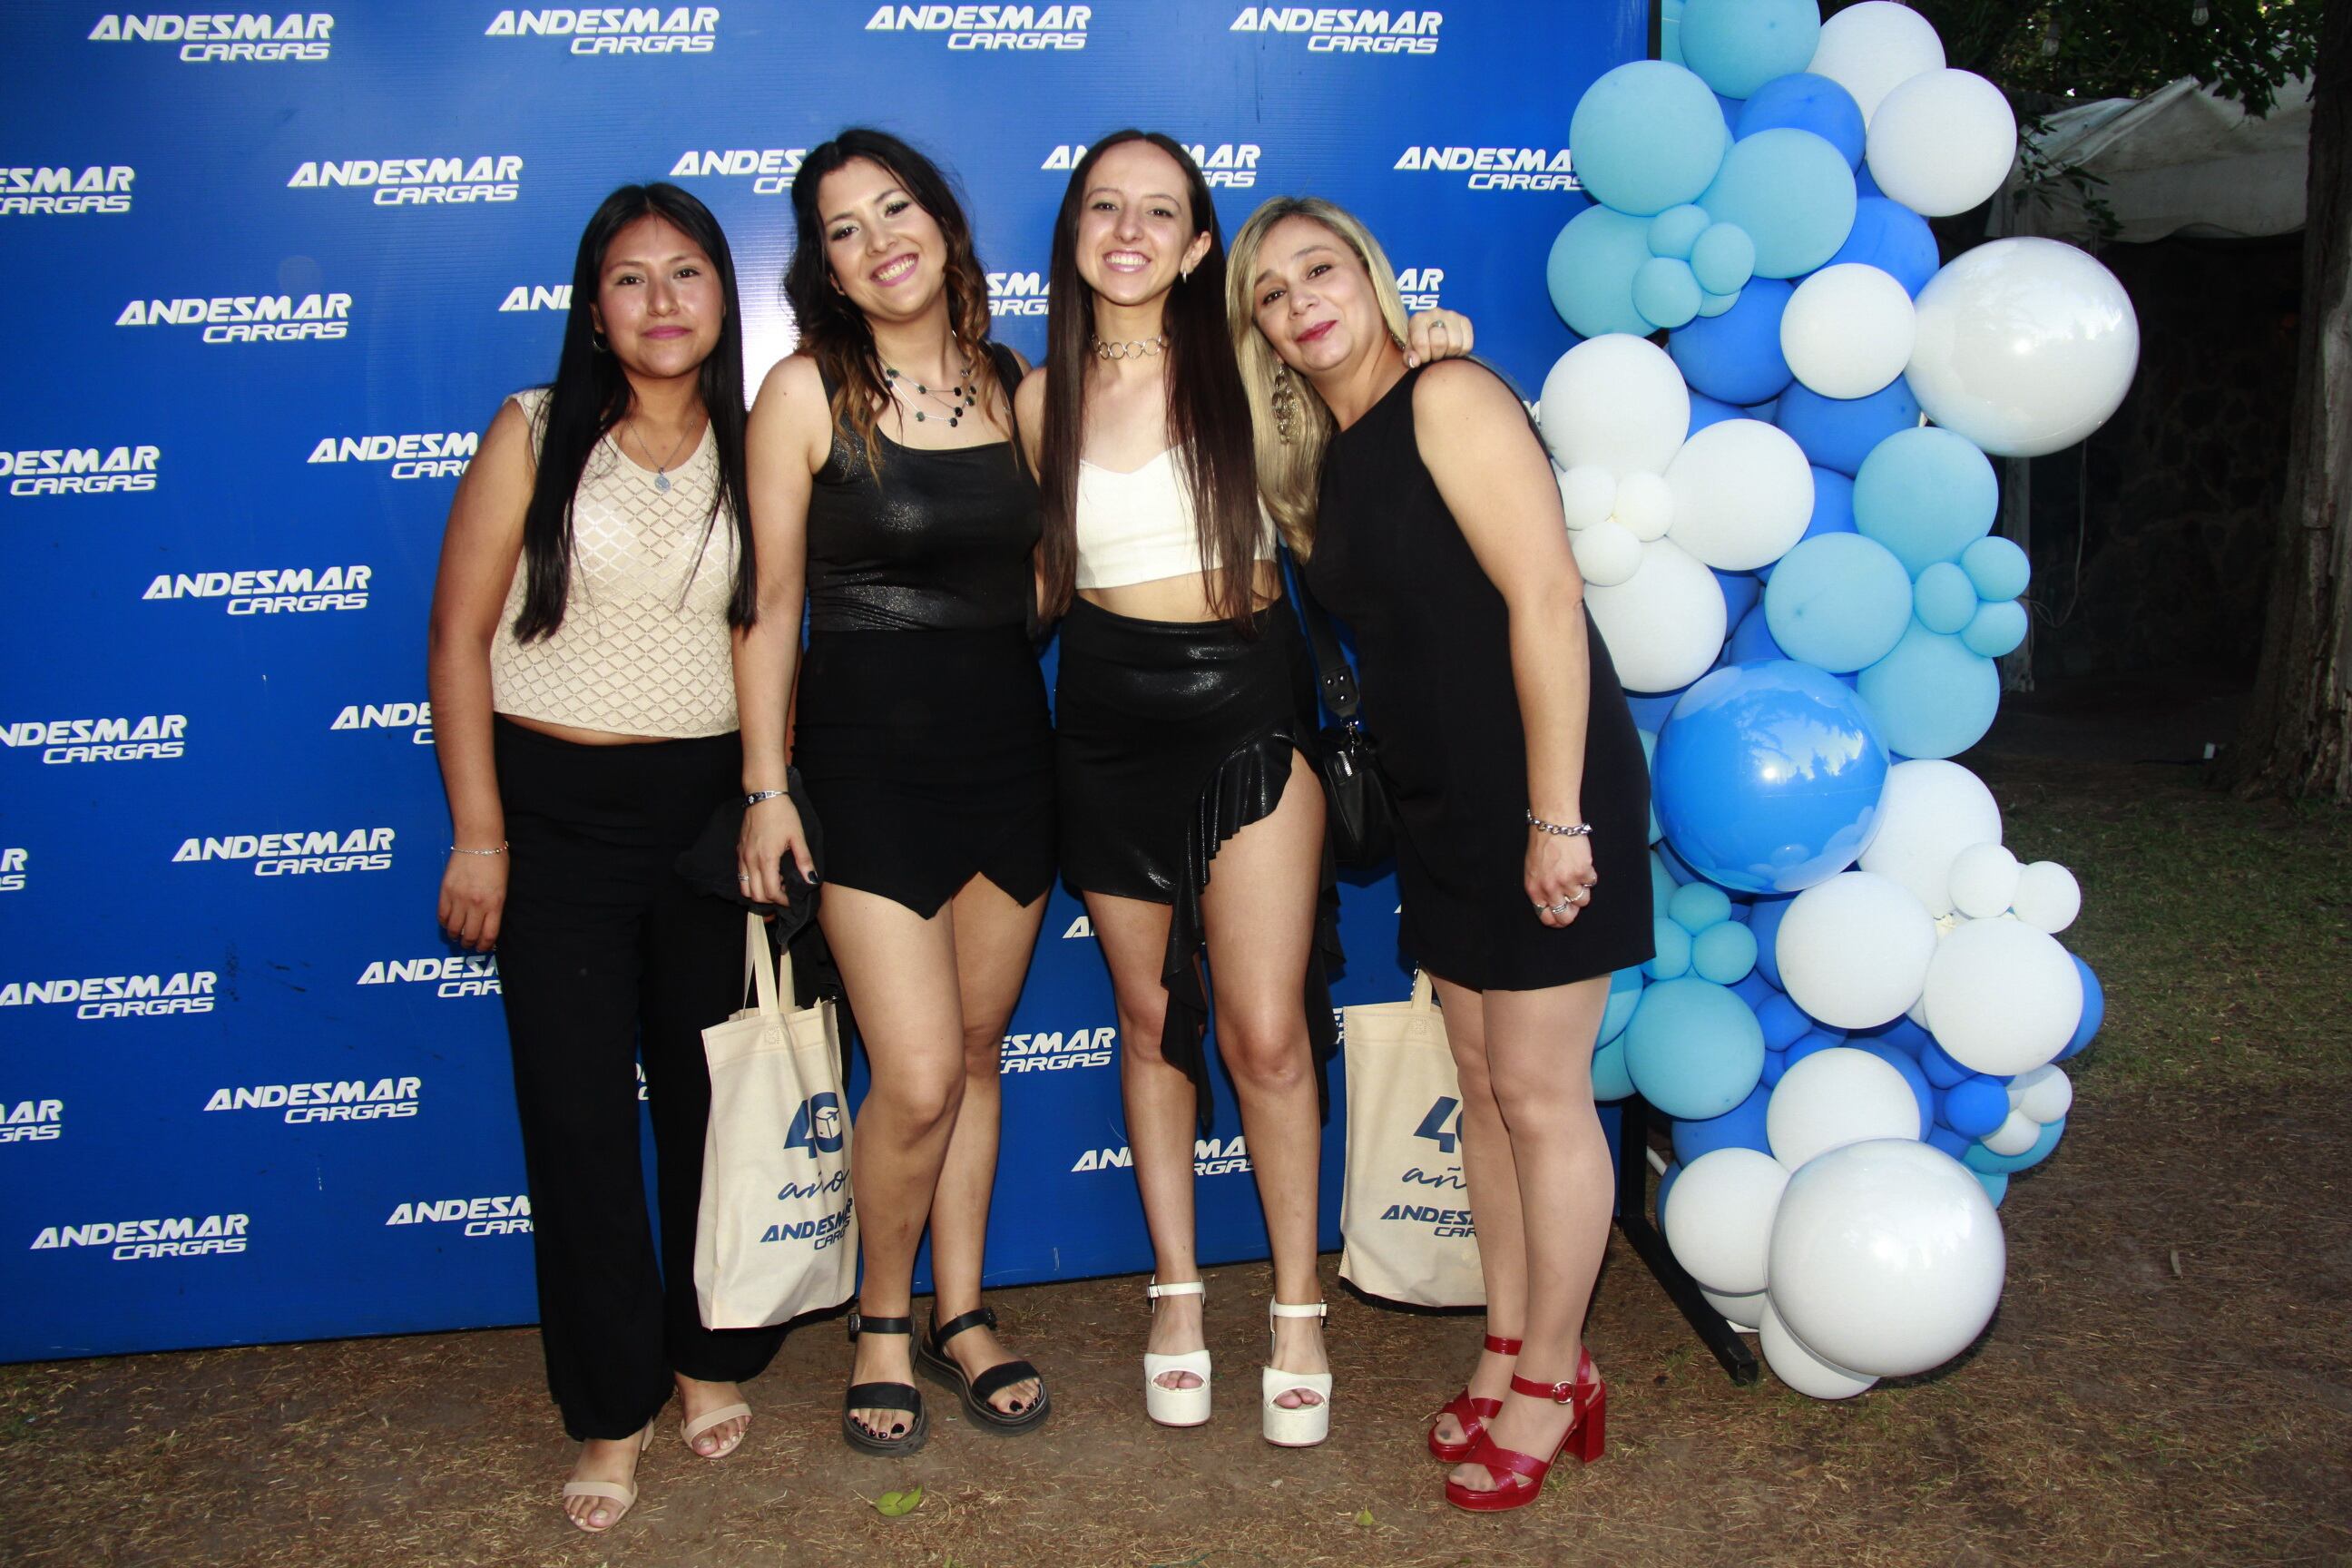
<point x="1184" y="697"/>
<point x="595" y="578"/>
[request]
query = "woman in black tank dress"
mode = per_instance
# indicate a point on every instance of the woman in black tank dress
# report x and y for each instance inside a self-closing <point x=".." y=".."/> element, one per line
<point x="1516" y="772"/>
<point x="882" y="466"/>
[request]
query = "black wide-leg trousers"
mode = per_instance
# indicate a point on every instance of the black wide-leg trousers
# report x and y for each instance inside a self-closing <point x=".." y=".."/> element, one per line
<point x="605" y="955"/>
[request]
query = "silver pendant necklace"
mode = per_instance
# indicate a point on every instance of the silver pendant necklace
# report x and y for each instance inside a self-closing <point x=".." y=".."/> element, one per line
<point x="661" y="470"/>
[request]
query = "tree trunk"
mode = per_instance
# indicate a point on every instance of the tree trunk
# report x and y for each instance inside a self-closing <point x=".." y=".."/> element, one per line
<point x="2297" y="736"/>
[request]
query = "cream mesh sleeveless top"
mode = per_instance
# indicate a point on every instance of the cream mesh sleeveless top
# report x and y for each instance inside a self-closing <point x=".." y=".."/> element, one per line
<point x="645" y="647"/>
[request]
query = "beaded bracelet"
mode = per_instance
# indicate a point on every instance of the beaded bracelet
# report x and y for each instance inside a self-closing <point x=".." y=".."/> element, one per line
<point x="1569" y="830"/>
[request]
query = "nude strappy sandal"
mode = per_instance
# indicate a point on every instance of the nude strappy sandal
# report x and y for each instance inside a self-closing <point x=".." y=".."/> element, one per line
<point x="624" y="1493"/>
<point x="688" y="1431"/>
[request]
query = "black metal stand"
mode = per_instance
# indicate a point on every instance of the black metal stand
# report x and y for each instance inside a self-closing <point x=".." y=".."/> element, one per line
<point x="1634" y="1220"/>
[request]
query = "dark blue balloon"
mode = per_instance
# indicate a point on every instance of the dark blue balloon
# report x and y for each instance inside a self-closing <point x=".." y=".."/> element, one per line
<point x="1902" y="1035"/>
<point x="1950" y="1142"/>
<point x="1864" y="187"/>
<point x="1676" y="866"/>
<point x="1782" y="1021"/>
<point x="1974" y="1106"/>
<point x="1764" y="923"/>
<point x="1666" y="1184"/>
<point x="1736" y="356"/>
<point x="2094" y="1010"/>
<point x="1650" y="708"/>
<point x="1838" y="433"/>
<point x="1833" y="504"/>
<point x="1941" y="1070"/>
<point x="1806" y="1043"/>
<point x="1740" y="592"/>
<point x="1768" y="778"/>
<point x="1775" y="1064"/>
<point x="1741" y="1127"/>
<point x="1803" y="102"/>
<point x="1706" y="411"/>
<point x="1751" y="639"/>
<point x="1895" y="239"/>
<point x="1752" y="988"/>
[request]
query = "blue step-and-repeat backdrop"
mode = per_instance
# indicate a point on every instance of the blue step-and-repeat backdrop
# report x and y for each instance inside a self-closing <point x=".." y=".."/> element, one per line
<point x="272" y="272"/>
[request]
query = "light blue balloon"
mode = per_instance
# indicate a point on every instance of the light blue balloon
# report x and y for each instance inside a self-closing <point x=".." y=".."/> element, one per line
<point x="1673" y="231"/>
<point x="1803" y="102"/>
<point x="1944" y="599"/>
<point x="1736" y="356"/>
<point x="1665" y="291"/>
<point x="1693" y="1048"/>
<point x="1698" y="905"/>
<point x="1997" y="630"/>
<point x="1895" y="239"/>
<point x="1610" y="1079"/>
<point x="1649" y="751"/>
<point x="1624" y="995"/>
<point x="1673" y="957"/>
<point x="1980" y="1158"/>
<point x="1838" y="433"/>
<point x="1648" y="135"/>
<point x="1737" y="46"/>
<point x="1591" y="272"/>
<point x="1725" y="953"/>
<point x="1931" y="698"/>
<point x="1713" y="305"/>
<point x="1723" y="258"/>
<point x="1925" y="494"/>
<point x="1661" y="881"/>
<point x="1838" y="601"/>
<point x="1752" y="640"/>
<point x="1995" y="1182"/>
<point x="1833" y="504"/>
<point x="1670" y="31"/>
<point x="1998" y="567"/>
<point x="1793" y="192"/>
<point x="1741" y="1127"/>
<point x="1769" y="777"/>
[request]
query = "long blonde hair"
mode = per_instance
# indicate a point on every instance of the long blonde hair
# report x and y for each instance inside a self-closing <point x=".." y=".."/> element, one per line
<point x="1290" y="467"/>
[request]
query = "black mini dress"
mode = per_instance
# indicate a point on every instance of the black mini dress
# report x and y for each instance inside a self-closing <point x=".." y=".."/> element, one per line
<point x="922" y="726"/>
<point x="1432" y="636"/>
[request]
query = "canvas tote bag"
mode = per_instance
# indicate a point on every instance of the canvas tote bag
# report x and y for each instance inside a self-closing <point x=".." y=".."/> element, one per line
<point x="775" y="1235"/>
<point x="1404" y="1214"/>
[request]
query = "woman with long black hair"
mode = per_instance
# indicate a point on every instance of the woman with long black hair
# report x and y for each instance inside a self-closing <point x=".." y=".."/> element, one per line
<point x="885" y="482"/>
<point x="596" y="582"/>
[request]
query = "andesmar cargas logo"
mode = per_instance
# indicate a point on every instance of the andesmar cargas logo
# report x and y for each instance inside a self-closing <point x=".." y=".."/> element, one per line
<point x="536" y="297"/>
<point x="63" y="191"/>
<point x="1346" y="30"/>
<point x="415" y="718"/>
<point x="1419" y="286"/>
<point x="614" y="29"/>
<point x="450" y="975"/>
<point x="503" y="1215"/>
<point x="32" y="1121"/>
<point x="989" y="26"/>
<point x="351" y="1100"/>
<point x="97" y="996"/>
<point x="147" y="738"/>
<point x="1234" y="164"/>
<point x="248" y="318"/>
<point x="215" y="37"/>
<point x="1496" y="168"/>
<point x="125" y="468"/>
<point x="1016" y="294"/>
<point x="317" y="852"/>
<point x="446" y="180"/>
<point x="14" y="859"/>
<point x="270" y="590"/>
<point x="411" y="455"/>
<point x="1056" y="1050"/>
<point x="1211" y="1157"/>
<point x="136" y="1240"/>
<point x="770" y="170"/>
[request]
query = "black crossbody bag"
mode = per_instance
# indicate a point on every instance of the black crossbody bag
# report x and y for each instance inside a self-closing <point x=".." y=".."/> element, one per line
<point x="1362" y="820"/>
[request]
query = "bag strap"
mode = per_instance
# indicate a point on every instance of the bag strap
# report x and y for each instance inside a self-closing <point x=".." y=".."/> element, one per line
<point x="1335" y="677"/>
<point x="758" y="972"/>
<point x="1424" y="994"/>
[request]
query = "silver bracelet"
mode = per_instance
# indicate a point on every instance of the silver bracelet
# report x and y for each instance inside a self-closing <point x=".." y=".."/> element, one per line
<point x="754" y="798"/>
<point x="1569" y="830"/>
<point x="459" y="849"/>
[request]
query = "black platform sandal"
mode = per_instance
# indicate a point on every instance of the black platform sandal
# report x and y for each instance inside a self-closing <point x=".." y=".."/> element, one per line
<point x="932" y="1357"/>
<point x="903" y="1396"/>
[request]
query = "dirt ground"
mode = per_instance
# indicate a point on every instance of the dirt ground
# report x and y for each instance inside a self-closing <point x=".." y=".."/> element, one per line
<point x="2167" y="1379"/>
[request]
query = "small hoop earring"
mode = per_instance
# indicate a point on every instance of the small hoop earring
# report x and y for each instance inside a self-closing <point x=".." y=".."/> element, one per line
<point x="1183" y="275"/>
<point x="1286" y="403"/>
<point x="596" y="341"/>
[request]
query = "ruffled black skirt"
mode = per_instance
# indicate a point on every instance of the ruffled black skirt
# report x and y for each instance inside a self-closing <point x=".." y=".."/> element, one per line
<point x="1171" y="736"/>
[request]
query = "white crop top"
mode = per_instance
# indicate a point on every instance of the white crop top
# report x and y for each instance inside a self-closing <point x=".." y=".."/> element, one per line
<point x="645" y="647"/>
<point x="1138" y="526"/>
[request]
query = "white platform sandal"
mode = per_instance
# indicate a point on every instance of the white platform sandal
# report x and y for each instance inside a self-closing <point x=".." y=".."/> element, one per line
<point x="1309" y="1423"/>
<point x="1176" y="1406"/>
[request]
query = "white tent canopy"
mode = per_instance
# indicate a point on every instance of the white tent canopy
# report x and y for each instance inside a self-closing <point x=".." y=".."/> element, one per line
<point x="2179" y="160"/>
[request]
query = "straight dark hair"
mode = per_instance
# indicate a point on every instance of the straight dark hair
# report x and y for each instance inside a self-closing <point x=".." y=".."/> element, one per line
<point x="1208" y="409"/>
<point x="833" y="330"/>
<point x="591" y="394"/>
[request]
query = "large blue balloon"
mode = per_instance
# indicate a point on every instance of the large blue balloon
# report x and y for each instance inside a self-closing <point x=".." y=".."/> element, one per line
<point x="1768" y="776"/>
<point x="1741" y="1127"/>
<point x="1793" y="194"/>
<point x="1591" y="272"/>
<point x="1895" y="239"/>
<point x="1925" y="494"/>
<point x="1838" y="601"/>
<point x="1693" y="1048"/>
<point x="1648" y="136"/>
<point x="1803" y="102"/>
<point x="1737" y="357"/>
<point x="1838" y="433"/>
<point x="1737" y="46"/>
<point x="1932" y="697"/>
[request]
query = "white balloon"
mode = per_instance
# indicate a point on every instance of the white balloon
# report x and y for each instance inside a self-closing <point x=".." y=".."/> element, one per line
<point x="1853" y="951"/>
<point x="2017" y="1133"/>
<point x="1616" y="402"/>
<point x="1607" y="553"/>
<point x="2048" y="897"/>
<point x="1984" y="881"/>
<point x="1743" y="493"/>
<point x="1931" y="811"/>
<point x="2045" y="1094"/>
<point x="1719" y="1229"/>
<point x="1869" y="49"/>
<point x="1587" y="493"/>
<point x="1645" y="505"/>
<point x="1799" y="1368"/>
<point x="1835" y="1098"/>
<point x="1742" y="1312"/>
<point x="1665" y="623"/>
<point x="1942" y="142"/>
<point x="2004" y="998"/>
<point x="1887" y="1258"/>
<point x="1847" y="331"/>
<point x="2025" y="346"/>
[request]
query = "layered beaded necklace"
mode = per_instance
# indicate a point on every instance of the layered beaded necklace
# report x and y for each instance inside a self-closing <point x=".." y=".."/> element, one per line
<point x="957" y="400"/>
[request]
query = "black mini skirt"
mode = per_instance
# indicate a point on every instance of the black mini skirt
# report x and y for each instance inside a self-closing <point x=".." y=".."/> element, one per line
<point x="1171" y="736"/>
<point x="928" y="757"/>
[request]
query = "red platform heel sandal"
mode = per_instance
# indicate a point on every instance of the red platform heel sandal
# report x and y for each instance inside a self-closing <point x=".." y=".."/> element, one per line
<point x="1473" y="1413"/>
<point x="1587" y="1396"/>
